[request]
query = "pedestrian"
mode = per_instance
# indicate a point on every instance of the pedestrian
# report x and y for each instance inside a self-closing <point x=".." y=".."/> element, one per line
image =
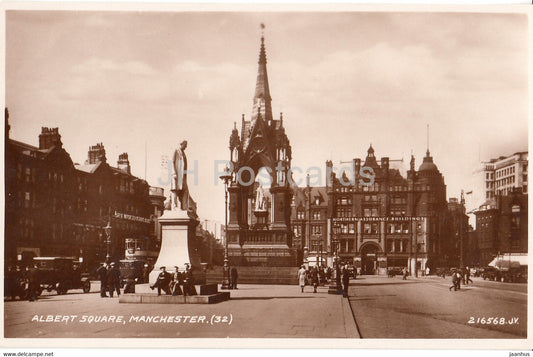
<point x="345" y="281"/>
<point x="314" y="278"/>
<point x="177" y="281"/>
<point x="162" y="282"/>
<point x="113" y="280"/>
<point x="456" y="281"/>
<point x="427" y="271"/>
<point x="34" y="282"/>
<point x="404" y="271"/>
<point x="146" y="273"/>
<point x="302" y="275"/>
<point x="467" y="276"/>
<point x="102" y="274"/>
<point x="188" y="281"/>
<point x="234" y="277"/>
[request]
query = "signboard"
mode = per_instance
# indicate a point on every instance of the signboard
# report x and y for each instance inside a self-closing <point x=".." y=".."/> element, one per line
<point x="130" y="217"/>
<point x="376" y="219"/>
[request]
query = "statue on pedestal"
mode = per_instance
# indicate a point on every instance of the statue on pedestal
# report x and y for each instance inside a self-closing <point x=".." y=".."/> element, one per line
<point x="179" y="188"/>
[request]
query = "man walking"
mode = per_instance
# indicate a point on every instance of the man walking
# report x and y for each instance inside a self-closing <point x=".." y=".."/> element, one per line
<point x="467" y="276"/>
<point x="113" y="280"/>
<point x="34" y="282"/>
<point x="314" y="278"/>
<point x="102" y="274"/>
<point x="345" y="281"/>
<point x="234" y="277"/>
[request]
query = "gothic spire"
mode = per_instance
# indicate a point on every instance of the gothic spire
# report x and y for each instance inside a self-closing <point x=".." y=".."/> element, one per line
<point x="262" y="99"/>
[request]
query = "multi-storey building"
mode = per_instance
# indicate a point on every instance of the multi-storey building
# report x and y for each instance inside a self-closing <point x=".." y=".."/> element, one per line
<point x="57" y="208"/>
<point x="457" y="250"/>
<point x="309" y="222"/>
<point x="501" y="226"/>
<point x="510" y="172"/>
<point x="39" y="205"/>
<point x="379" y="219"/>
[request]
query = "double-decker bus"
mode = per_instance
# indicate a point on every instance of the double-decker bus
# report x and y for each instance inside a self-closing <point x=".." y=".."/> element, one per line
<point x="139" y="249"/>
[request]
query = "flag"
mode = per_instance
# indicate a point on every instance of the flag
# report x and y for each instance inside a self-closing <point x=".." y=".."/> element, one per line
<point x="469" y="192"/>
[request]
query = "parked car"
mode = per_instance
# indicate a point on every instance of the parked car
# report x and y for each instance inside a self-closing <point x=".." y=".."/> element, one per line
<point x="393" y="271"/>
<point x="491" y="273"/>
<point x="62" y="274"/>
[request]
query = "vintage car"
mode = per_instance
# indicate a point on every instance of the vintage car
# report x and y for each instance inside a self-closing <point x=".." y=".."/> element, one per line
<point x="393" y="271"/>
<point x="491" y="273"/>
<point x="62" y="274"/>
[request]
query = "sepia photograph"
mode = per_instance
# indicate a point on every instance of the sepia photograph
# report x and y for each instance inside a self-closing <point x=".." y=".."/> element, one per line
<point x="266" y="176"/>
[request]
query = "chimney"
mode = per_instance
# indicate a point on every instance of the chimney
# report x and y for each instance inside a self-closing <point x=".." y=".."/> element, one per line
<point x="123" y="163"/>
<point x="49" y="138"/>
<point x="96" y="154"/>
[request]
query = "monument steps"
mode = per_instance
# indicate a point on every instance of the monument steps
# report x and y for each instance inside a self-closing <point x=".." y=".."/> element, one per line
<point x="257" y="275"/>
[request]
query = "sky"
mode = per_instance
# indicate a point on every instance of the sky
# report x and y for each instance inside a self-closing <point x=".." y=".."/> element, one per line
<point x="141" y="82"/>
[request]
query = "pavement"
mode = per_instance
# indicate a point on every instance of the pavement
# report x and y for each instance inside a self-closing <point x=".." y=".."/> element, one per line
<point x="254" y="311"/>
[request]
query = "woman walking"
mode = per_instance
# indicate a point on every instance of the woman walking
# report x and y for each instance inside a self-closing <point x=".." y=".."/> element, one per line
<point x="302" y="275"/>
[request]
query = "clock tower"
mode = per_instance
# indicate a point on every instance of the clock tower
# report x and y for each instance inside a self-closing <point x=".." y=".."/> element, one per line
<point x="260" y="237"/>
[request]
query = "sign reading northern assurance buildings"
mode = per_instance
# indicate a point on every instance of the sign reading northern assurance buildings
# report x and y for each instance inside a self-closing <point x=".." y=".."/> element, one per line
<point x="375" y="219"/>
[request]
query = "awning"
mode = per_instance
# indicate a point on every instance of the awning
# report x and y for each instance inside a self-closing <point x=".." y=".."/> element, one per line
<point x="506" y="261"/>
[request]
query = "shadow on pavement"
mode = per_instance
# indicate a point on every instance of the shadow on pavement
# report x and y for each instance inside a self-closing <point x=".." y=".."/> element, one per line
<point x="273" y="297"/>
<point x="375" y="284"/>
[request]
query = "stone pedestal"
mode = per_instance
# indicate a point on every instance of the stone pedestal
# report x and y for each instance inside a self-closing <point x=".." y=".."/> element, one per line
<point x="178" y="240"/>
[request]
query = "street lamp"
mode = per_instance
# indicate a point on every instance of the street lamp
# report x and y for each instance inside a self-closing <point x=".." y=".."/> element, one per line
<point x="108" y="230"/>
<point x="336" y="288"/>
<point x="226" y="177"/>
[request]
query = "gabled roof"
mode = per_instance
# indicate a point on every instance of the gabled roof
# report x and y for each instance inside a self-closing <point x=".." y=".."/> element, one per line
<point x="88" y="168"/>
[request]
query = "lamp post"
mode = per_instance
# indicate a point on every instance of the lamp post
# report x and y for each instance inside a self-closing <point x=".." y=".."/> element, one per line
<point x="226" y="177"/>
<point x="335" y="287"/>
<point x="108" y="230"/>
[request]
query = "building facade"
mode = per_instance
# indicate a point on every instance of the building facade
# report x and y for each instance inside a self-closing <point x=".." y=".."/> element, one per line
<point x="502" y="225"/>
<point x="57" y="208"/>
<point x="379" y="219"/>
<point x="309" y="220"/>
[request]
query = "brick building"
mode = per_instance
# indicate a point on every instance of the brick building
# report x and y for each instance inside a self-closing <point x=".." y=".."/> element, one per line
<point x="309" y="220"/>
<point x="57" y="208"/>
<point x="501" y="226"/>
<point x="380" y="219"/>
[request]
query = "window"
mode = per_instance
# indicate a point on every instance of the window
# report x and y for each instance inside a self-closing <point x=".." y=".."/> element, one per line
<point x="370" y="228"/>
<point x="27" y="199"/>
<point x="301" y="215"/>
<point x="316" y="215"/>
<point x="351" y="228"/>
<point x="317" y="230"/>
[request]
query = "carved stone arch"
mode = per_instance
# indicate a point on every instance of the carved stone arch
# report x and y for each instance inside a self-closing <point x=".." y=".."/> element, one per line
<point x="369" y="257"/>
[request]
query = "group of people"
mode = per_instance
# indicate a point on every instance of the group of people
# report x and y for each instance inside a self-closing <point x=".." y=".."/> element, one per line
<point x="315" y="276"/>
<point x="177" y="283"/>
<point x="460" y="276"/>
<point x="109" y="276"/>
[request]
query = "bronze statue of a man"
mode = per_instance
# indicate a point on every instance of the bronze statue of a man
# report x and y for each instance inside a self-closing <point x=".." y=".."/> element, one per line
<point x="180" y="190"/>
